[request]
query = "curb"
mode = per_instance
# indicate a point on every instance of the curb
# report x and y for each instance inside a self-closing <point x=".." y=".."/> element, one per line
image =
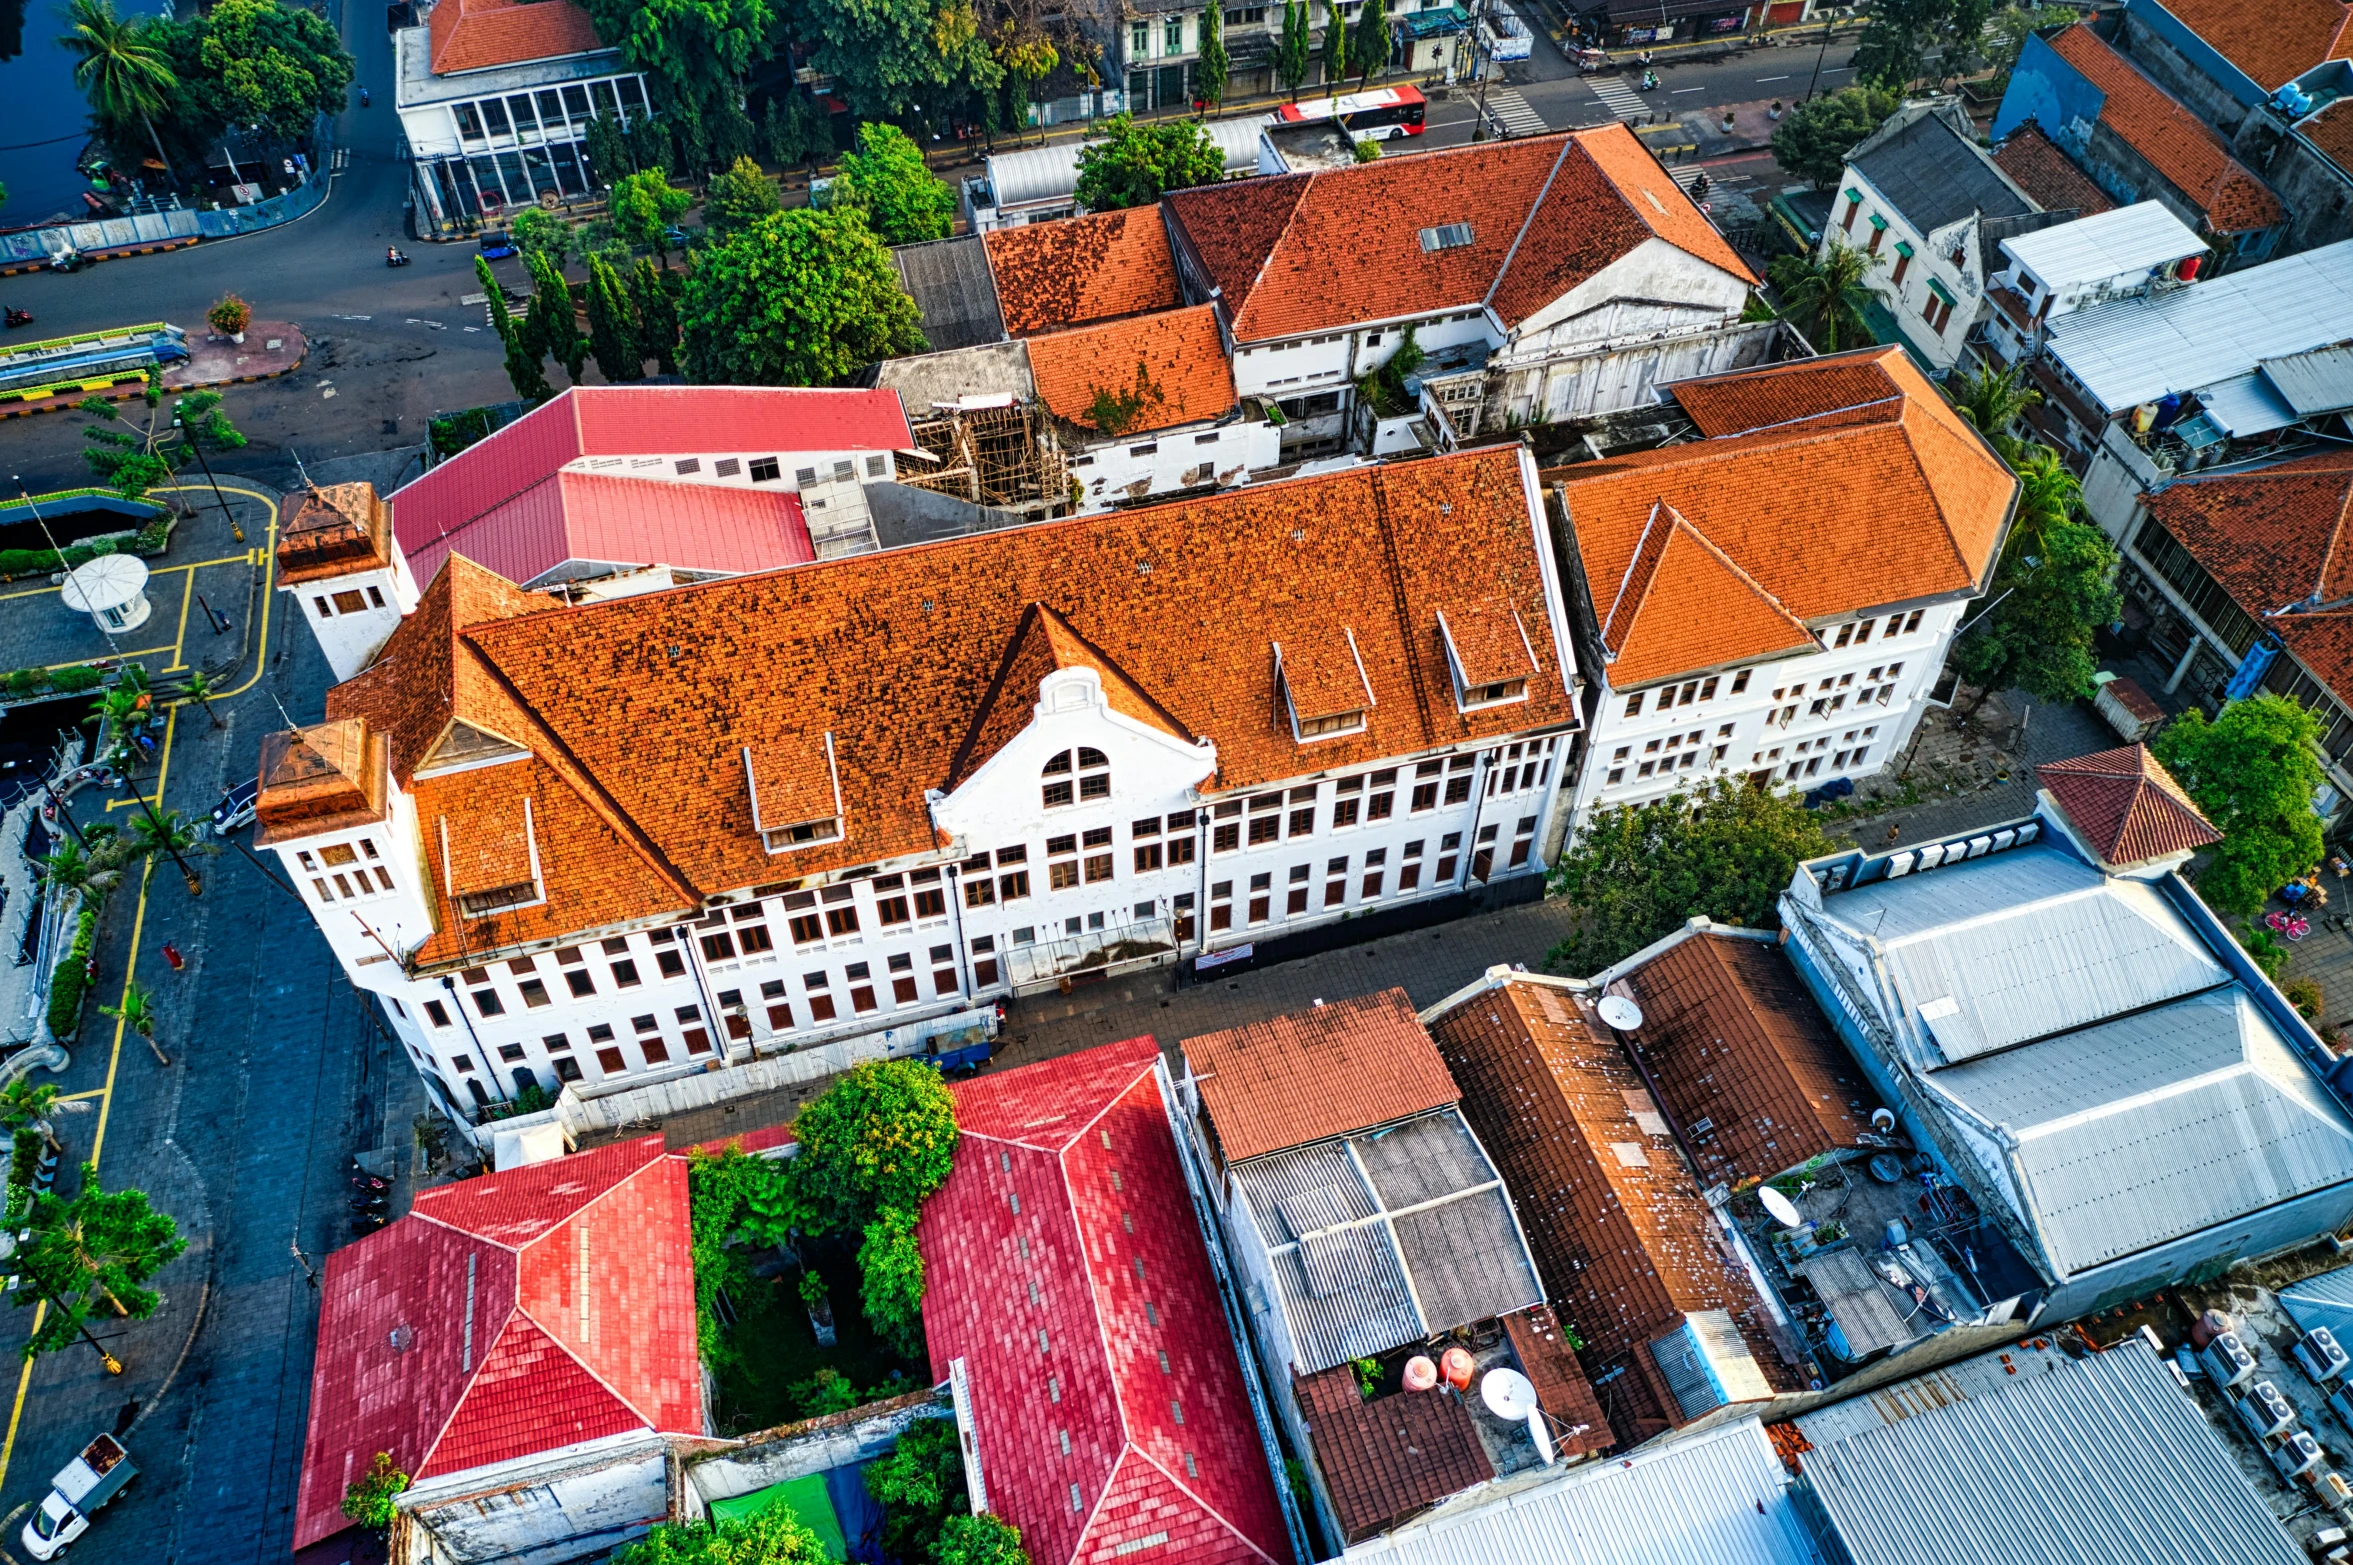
<point x="115" y="254"/>
<point x="117" y="394"/>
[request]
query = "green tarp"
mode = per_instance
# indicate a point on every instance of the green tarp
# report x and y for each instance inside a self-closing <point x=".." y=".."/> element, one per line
<point x="808" y="1501"/>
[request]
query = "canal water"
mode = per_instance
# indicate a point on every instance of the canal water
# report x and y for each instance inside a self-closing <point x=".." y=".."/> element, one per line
<point x="46" y="123"/>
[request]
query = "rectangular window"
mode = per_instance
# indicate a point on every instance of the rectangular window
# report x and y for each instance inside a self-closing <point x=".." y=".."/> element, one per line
<point x="1013" y="887"/>
<point x="581" y="985"/>
<point x="534" y="993"/>
<point x="1425" y="797"/>
<point x="1265" y="828"/>
<point x="1458" y="789"/>
<point x="1740" y="682"/>
<point x="890" y="910"/>
<point x="1303" y="822"/>
<point x="980" y="893"/>
<point x="841" y="920"/>
<point x="1098" y="867"/>
<point x="1912" y="621"/>
<point x="670" y="964"/>
<point x="718" y="947"/>
<point x="1147" y="857"/>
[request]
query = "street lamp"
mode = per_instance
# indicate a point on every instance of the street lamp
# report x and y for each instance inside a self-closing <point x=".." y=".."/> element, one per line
<point x="189" y="436"/>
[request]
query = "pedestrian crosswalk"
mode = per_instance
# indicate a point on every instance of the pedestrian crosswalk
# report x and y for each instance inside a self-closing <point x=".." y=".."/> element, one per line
<point x="1620" y="99"/>
<point x="1511" y="112"/>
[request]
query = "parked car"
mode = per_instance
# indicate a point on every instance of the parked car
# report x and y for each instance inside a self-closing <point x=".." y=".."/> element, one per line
<point x="237" y="806"/>
<point x="75" y="1494"/>
<point x="497" y="244"/>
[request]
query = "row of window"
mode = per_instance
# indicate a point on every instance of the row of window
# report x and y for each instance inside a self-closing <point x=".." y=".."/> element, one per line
<point x="1371" y="874"/>
<point x="337" y="873"/>
<point x="1853" y="633"/>
<point x="551" y="111"/>
<point x="329" y="605"/>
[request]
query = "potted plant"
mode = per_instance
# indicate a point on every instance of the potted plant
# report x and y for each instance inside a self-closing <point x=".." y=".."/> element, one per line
<point x="820" y="1306"/>
<point x="230" y="315"/>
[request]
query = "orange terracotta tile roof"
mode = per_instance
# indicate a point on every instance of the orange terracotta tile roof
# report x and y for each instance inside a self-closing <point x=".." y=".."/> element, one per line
<point x="2128" y="807"/>
<point x="634" y="712"/>
<point x="1177" y="353"/>
<point x="473" y="35"/>
<point x="2048" y="175"/>
<point x="1489" y="643"/>
<point x="336" y="529"/>
<point x="2273" y="537"/>
<point x="323" y="778"/>
<point x="1304" y="253"/>
<point x="2273" y="41"/>
<point x="1044" y="642"/>
<point x="1717" y="550"/>
<point x="1091" y="268"/>
<point x="2179" y="145"/>
<point x="1310" y="1075"/>
<point x="2331" y="130"/>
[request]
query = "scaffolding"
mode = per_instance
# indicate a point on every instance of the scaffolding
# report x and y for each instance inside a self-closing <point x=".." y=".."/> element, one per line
<point x="1002" y="455"/>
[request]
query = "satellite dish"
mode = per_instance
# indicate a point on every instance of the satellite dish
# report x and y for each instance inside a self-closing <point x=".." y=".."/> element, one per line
<point x="1508" y="1394"/>
<point x="1619" y="1012"/>
<point x="1784" y="1210"/>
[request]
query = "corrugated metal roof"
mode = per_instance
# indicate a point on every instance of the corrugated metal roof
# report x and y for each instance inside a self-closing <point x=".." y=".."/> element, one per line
<point x="2246" y="405"/>
<point x="2107" y="244"/>
<point x="2105" y="1461"/>
<point x="2023" y="944"/>
<point x="1440" y="1249"/>
<point x="1721" y="1497"/>
<point x="950" y="283"/>
<point x="2325" y="1300"/>
<point x="2160" y="1124"/>
<point x="2135" y="350"/>
<point x="2317" y="382"/>
<point x="1047" y="173"/>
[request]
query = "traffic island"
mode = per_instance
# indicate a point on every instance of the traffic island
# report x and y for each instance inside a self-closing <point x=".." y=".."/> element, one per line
<point x="270" y="349"/>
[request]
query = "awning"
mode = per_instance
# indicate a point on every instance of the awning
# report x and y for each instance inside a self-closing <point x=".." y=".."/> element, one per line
<point x="805" y="1497"/>
<point x="1903" y="247"/>
<point x="1943" y="293"/>
<point x="1877" y="221"/>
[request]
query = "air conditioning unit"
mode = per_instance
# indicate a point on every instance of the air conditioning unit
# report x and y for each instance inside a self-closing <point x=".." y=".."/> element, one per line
<point x="2265" y="1411"/>
<point x="2228" y="1363"/>
<point x="2298" y="1454"/>
<point x="2321" y="1356"/>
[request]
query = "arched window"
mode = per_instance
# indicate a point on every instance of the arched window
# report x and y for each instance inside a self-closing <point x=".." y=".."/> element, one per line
<point x="1084" y="773"/>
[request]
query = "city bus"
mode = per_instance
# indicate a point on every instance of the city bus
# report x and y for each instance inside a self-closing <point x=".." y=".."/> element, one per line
<point x="1374" y="116"/>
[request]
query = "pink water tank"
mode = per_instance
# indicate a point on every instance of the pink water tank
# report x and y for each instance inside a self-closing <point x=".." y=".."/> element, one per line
<point x="1420" y="1373"/>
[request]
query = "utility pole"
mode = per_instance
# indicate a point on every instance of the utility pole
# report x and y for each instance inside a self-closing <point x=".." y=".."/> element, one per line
<point x="188" y="435"/>
<point x="163" y="834"/>
<point x="1819" y="57"/>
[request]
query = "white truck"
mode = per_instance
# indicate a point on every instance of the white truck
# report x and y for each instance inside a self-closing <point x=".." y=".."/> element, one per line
<point x="75" y="1494"/>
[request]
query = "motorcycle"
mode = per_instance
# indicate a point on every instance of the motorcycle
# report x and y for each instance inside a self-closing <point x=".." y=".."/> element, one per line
<point x="18" y="318"/>
<point x="363" y="97"/>
<point x="395" y="258"/>
<point x="1650" y="81"/>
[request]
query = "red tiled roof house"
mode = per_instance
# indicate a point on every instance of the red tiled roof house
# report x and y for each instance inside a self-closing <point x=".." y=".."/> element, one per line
<point x="1070" y="1299"/>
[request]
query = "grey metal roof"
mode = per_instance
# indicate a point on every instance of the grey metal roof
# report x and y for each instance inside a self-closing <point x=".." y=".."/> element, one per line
<point x="1051" y="173"/>
<point x="953" y="289"/>
<point x="2317" y="382"/>
<point x="2105" y="1461"/>
<point x="2159" y="1124"/>
<point x="1936" y="176"/>
<point x="2130" y="351"/>
<point x="1716" y="1498"/>
<point x="2246" y="405"/>
<point x="1387" y="1237"/>
<point x="2136" y="238"/>
<point x="2325" y="1300"/>
<point x="2024" y="943"/>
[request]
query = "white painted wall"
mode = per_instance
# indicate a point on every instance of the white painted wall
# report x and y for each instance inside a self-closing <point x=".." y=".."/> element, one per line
<point x="352" y="616"/>
<point x="1933" y="256"/>
<point x="733" y="469"/>
<point x="1656" y="287"/>
<point x="1113" y="470"/>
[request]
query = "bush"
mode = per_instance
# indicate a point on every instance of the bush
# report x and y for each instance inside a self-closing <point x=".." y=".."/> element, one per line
<point x="69" y="985"/>
<point x="24" y="1156"/>
<point x="2306" y="997"/>
<point x="370" y="1500"/>
<point x="982" y="1539"/>
<point x="890" y="1285"/>
<point x="454" y="432"/>
<point x="70" y="681"/>
<point x="2263" y="949"/>
<point x="229" y="314"/>
<point x="919" y="1485"/>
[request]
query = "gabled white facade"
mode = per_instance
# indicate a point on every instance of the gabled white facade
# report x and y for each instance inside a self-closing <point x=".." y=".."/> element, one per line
<point x="353" y="615"/>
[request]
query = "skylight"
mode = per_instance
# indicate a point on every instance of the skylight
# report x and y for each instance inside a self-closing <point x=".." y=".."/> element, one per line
<point x="1446" y="236"/>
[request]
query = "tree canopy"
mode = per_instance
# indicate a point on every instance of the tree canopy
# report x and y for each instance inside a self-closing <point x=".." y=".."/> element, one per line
<point x="645" y="205"/>
<point x="1813" y="139"/>
<point x="773" y="1536"/>
<point x="2254" y="771"/>
<point x="887" y="179"/>
<point x="800" y="298"/>
<point x="278" y="65"/>
<point x="1640" y="871"/>
<point x="695" y="50"/>
<point x="1825" y="295"/>
<point x="1135" y="165"/>
<point x="2054" y="588"/>
<point x="883" y="1136"/>
<point x="737" y="197"/>
<point x="1893" y="51"/>
<point x="891" y="57"/>
<point x="98" y="1249"/>
<point x="919" y="1485"/>
<point x="980" y="1539"/>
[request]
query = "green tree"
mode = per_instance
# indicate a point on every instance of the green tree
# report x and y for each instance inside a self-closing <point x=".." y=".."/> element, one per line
<point x="796" y="132"/>
<point x="1825" y="295"/>
<point x="538" y="231"/>
<point x="609" y="159"/>
<point x="2009" y="28"/>
<point x="800" y="298"/>
<point x="373" y="1498"/>
<point x="552" y="329"/>
<point x="697" y="51"/>
<point x="2048" y="494"/>
<point x="1893" y="51"/>
<point x="118" y="66"/>
<point x="71" y="871"/>
<point x="980" y="1539"/>
<point x="524" y="371"/>
<point x="2254" y="771"/>
<point x="720" y="1187"/>
<point x="279" y="66"/>
<point x="919" y="1485"/>
<point x="169" y="835"/>
<point x="1293" y="52"/>
<point x="1212" y="68"/>
<point x="612" y="336"/>
<point x="883" y="1136"/>
<point x="690" y="138"/>
<point x="1640" y="871"/>
<point x="1994" y="400"/>
<point x="736" y="197"/>
<point x="92" y="1250"/>
<point x="1813" y="139"/>
<point x="773" y="1536"/>
<point x="1370" y="47"/>
<point x="1027" y="56"/>
<point x="887" y="179"/>
<point x="653" y="304"/>
<point x="1135" y="165"/>
<point x="899" y="57"/>
<point x="890" y="1280"/>
<point x="645" y="207"/>
<point x="1335" y="46"/>
<point x="2050" y="595"/>
<point x="137" y="1011"/>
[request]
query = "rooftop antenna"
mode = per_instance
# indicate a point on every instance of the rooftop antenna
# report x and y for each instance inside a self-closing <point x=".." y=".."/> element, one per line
<point x="282" y="712"/>
<point x="299" y="468"/>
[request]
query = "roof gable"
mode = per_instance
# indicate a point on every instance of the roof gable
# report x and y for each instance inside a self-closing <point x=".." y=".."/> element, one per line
<point x="1650" y="629"/>
<point x="2037" y="166"/>
<point x="1179" y="368"/>
<point x="1045" y="643"/>
<point x="473" y="35"/>
<point x="2127" y="807"/>
<point x="1934" y="174"/>
<point x="1310" y="1075"/>
<point x="529" y="1396"/>
<point x="2179" y="145"/>
<point x="1093" y="268"/>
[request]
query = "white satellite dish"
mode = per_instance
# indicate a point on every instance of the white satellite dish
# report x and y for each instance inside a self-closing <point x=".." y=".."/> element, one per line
<point x="1783" y="1209"/>
<point x="1619" y="1012"/>
<point x="1507" y="1393"/>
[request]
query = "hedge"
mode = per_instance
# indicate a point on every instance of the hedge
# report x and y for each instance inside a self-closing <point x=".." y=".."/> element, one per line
<point x="24" y="683"/>
<point x="70" y="984"/>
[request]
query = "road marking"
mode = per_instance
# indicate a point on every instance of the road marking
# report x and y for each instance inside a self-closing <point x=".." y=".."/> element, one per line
<point x="354" y="317"/>
<point x="326" y="392"/>
<point x="1511" y="111"/>
<point x="1760" y="82"/>
<point x="473" y="328"/>
<point x="473" y="298"/>
<point x="1620" y="99"/>
<point x="76" y="1097"/>
<point x="180" y="642"/>
<point x="124" y="804"/>
<point x="1680" y="91"/>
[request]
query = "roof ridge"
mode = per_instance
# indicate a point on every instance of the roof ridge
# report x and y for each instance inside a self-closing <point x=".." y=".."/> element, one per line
<point x="2336" y="537"/>
<point x="1896" y="394"/>
<point x="1194" y="1495"/>
<point x="1936" y="494"/>
<point x="1528" y="218"/>
<point x="1634" y="561"/>
<point x="457" y="1403"/>
<point x="586" y="1368"/>
<point x="1735" y="567"/>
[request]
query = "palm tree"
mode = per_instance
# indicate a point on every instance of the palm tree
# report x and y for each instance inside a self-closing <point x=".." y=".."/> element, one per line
<point x="168" y="835"/>
<point x="69" y="869"/>
<point x="199" y="690"/>
<point x="1993" y="400"/>
<point x="137" y="1012"/>
<point x="1825" y="294"/>
<point x="22" y="1103"/>
<point x="2048" y="495"/>
<point x="118" y="69"/>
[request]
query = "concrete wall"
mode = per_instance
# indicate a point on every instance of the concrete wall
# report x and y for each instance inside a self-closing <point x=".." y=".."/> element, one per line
<point x="2318" y="194"/>
<point x="1595" y="383"/>
<point x="576" y="1504"/>
<point x="2187" y="66"/>
<point x="1180" y="458"/>
<point x="797" y="1450"/>
<point x="349" y="633"/>
<point x="2046" y="89"/>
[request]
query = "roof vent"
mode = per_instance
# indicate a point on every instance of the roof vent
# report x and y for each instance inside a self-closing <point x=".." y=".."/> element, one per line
<point x="1446" y="236"/>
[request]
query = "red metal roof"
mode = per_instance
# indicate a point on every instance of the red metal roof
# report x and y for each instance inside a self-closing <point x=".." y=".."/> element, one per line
<point x="504" y="1316"/>
<point x="1064" y="1265"/>
<point x="483" y="501"/>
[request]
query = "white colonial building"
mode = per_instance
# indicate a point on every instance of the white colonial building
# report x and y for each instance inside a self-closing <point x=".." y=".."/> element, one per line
<point x="606" y="844"/>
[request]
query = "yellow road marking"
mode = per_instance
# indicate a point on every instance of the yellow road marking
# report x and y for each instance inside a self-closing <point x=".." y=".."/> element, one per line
<point x="180" y="642"/>
<point x="143" y="798"/>
<point x="76" y="1097"/>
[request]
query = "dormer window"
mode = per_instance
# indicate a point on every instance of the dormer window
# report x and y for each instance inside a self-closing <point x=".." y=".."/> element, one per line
<point x="1489" y="654"/>
<point x="1324" y="688"/>
<point x="796" y="792"/>
<point x="1075" y="775"/>
<point x="490" y="860"/>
